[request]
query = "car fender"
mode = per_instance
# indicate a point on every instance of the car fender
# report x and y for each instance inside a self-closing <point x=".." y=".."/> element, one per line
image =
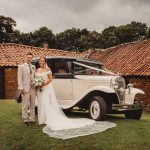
<point x="96" y="88"/>
<point x="130" y="95"/>
<point x="99" y="88"/>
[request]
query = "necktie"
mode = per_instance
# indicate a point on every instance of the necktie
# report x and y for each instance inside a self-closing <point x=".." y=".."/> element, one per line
<point x="30" y="70"/>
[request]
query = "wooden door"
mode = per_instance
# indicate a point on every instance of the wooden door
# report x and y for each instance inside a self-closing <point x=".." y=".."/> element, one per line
<point x="2" y="83"/>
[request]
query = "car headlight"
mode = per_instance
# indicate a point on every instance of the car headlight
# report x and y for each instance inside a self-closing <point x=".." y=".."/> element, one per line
<point x="115" y="85"/>
<point x="130" y="85"/>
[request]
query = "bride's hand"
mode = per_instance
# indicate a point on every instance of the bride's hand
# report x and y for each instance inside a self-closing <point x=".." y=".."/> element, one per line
<point x="44" y="84"/>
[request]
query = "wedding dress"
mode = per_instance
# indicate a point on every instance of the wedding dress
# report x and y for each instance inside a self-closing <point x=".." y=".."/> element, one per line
<point x="58" y="125"/>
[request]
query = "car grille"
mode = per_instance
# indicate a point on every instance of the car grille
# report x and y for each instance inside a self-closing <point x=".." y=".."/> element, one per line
<point x="121" y="88"/>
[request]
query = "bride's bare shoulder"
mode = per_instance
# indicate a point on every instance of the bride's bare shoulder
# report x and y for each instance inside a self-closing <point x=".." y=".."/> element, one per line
<point x="48" y="70"/>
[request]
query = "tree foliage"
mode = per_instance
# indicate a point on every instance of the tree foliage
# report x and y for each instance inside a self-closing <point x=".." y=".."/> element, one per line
<point x="71" y="39"/>
<point x="7" y="25"/>
<point x="109" y="36"/>
<point x="38" y="37"/>
<point x="131" y="32"/>
<point x="74" y="38"/>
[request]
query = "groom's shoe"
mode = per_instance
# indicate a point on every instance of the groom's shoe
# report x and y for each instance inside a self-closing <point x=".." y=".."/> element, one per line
<point x="26" y="124"/>
<point x="32" y="122"/>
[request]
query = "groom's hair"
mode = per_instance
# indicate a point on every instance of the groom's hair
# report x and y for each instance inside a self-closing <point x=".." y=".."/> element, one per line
<point x="29" y="53"/>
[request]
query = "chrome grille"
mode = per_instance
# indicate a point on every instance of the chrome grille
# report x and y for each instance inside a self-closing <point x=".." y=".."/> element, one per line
<point x="122" y="86"/>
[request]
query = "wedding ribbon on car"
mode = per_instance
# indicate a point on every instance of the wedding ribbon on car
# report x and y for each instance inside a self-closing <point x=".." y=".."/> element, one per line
<point x="90" y="67"/>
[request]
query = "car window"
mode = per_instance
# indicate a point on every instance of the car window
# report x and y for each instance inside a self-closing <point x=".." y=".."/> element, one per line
<point x="80" y="70"/>
<point x="62" y="69"/>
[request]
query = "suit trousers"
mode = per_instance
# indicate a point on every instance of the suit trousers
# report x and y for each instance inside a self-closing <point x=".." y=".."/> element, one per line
<point x="28" y="105"/>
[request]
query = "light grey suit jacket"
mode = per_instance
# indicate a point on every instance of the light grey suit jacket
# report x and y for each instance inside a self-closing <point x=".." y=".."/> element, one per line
<point x="24" y="77"/>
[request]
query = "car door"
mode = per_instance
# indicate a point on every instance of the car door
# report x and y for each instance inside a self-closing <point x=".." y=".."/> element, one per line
<point x="62" y="80"/>
<point x="79" y="85"/>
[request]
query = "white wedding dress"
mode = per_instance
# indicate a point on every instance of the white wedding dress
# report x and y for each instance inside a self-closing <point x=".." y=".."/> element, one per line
<point x="58" y="125"/>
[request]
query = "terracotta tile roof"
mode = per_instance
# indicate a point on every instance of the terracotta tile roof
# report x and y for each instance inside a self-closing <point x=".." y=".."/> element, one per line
<point x="127" y="59"/>
<point x="13" y="54"/>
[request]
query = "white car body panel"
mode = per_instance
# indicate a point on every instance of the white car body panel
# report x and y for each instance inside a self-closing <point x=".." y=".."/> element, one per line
<point x="71" y="91"/>
<point x="63" y="89"/>
<point x="130" y="95"/>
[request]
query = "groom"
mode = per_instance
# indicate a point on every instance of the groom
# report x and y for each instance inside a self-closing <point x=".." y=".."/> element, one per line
<point x="26" y="73"/>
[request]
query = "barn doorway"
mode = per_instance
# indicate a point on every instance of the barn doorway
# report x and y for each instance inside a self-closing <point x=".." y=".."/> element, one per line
<point x="2" y="83"/>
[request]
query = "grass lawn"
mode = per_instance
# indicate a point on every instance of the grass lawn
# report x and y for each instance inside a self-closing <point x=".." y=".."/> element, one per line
<point x="128" y="135"/>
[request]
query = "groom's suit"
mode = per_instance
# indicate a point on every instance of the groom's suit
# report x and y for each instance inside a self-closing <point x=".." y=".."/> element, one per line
<point x="26" y="75"/>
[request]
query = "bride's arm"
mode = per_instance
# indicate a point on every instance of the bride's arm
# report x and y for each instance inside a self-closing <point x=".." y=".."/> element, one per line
<point x="49" y="79"/>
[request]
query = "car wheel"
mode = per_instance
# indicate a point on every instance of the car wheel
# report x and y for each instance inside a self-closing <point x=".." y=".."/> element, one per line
<point x="97" y="108"/>
<point x="133" y="114"/>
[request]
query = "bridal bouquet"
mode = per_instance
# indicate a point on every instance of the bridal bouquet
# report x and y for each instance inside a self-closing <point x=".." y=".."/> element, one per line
<point x="38" y="82"/>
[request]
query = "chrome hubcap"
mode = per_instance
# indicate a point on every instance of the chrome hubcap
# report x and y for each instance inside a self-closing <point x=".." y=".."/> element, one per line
<point x="95" y="109"/>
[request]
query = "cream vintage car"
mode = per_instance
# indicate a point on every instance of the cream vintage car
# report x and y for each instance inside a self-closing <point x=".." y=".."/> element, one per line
<point x="86" y="85"/>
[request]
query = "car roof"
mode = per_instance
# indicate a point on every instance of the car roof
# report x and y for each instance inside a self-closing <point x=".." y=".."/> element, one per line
<point x="83" y="60"/>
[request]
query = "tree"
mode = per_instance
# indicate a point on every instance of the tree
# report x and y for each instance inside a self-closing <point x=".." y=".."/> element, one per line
<point x="70" y="39"/>
<point x="7" y="25"/>
<point x="73" y="39"/>
<point x="25" y="38"/>
<point x="140" y="28"/>
<point x="92" y="40"/>
<point x="109" y="37"/>
<point x="148" y="33"/>
<point x="131" y="32"/>
<point x="123" y="34"/>
<point x="38" y="37"/>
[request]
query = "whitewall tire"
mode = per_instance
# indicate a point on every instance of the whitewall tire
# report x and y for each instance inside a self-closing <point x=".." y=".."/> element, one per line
<point x="97" y="108"/>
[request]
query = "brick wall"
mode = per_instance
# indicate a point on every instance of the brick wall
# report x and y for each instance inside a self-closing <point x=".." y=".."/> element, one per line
<point x="10" y="82"/>
<point x="143" y="84"/>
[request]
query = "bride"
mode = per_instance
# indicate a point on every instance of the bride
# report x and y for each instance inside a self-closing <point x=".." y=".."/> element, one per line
<point x="58" y="125"/>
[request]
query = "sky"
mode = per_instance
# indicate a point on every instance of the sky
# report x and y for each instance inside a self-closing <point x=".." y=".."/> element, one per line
<point x="59" y="15"/>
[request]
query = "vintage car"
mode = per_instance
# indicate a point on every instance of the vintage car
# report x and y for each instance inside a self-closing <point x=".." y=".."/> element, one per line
<point x="85" y="85"/>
